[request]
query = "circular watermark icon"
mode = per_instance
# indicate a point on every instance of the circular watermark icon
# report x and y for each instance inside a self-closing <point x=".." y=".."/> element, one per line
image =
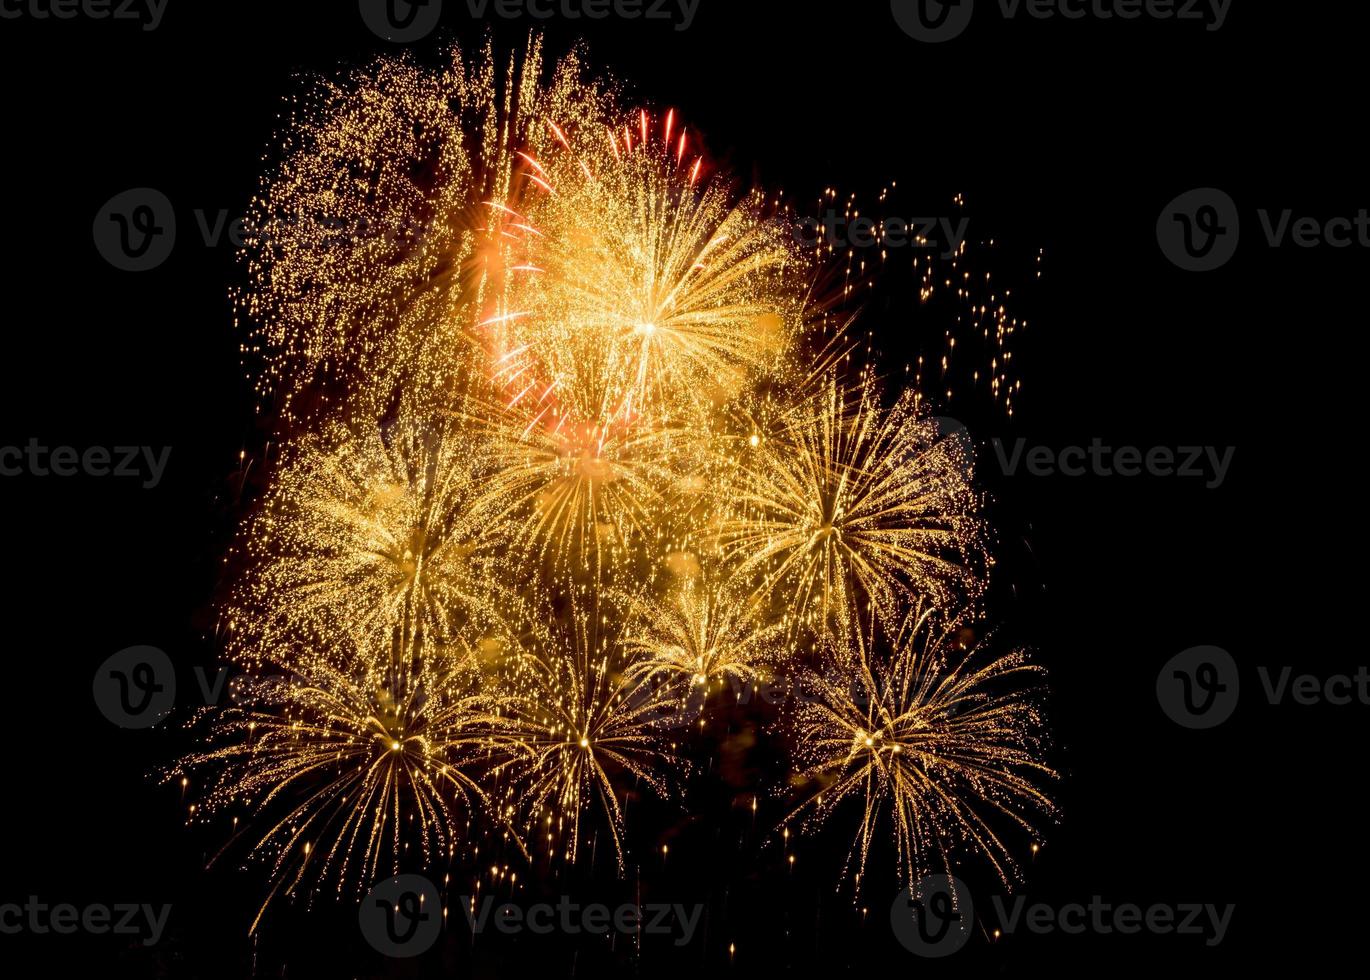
<point x="401" y="916"/>
<point x="401" y="21"/>
<point x="136" y="229"/>
<point x="1199" y="230"/>
<point x="932" y="21"/>
<point x="136" y="687"/>
<point x="934" y="918"/>
<point x="1198" y="688"/>
<point x="956" y="441"/>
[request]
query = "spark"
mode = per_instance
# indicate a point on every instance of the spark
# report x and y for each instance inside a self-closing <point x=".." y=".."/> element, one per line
<point x="584" y="718"/>
<point x="848" y="506"/>
<point x="935" y="744"/>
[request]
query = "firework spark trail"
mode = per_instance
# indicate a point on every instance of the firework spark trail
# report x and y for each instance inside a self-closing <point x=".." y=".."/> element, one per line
<point x="967" y="310"/>
<point x="854" y="508"/>
<point x="372" y="247"/>
<point x="583" y="716"/>
<point x="706" y="632"/>
<point x="369" y="526"/>
<point x="934" y="743"/>
<point x="346" y="756"/>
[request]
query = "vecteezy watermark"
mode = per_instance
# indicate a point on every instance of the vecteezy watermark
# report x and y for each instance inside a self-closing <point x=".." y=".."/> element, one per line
<point x="1102" y="918"/>
<point x="35" y="459"/>
<point x="681" y="13"/>
<point x="571" y="918"/>
<point x="136" y="687"/>
<point x="936" y="917"/>
<point x="1208" y="463"/>
<point x="401" y="916"/>
<point x="123" y="919"/>
<point x="1199" y="231"/>
<point x="135" y="230"/>
<point x="1199" y="687"/>
<point x="146" y="12"/>
<point x="401" y="21"/>
<point x="839" y="232"/>
<point x="406" y="21"/>
<point x="934" y="21"/>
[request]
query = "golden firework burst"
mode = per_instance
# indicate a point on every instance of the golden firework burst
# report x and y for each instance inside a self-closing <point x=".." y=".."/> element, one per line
<point x="370" y="527"/>
<point x="576" y="493"/>
<point x="932" y="742"/>
<point x="585" y="718"/>
<point x="851" y="507"/>
<point x="568" y="445"/>
<point x="377" y="243"/>
<point x="707" y="632"/>
<point x="341" y="758"/>
<point x="651" y="288"/>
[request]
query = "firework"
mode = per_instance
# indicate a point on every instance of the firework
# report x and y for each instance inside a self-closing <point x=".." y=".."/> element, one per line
<point x="570" y="444"/>
<point x="583" y="718"/>
<point x="934" y="743"/>
<point x="853" y="508"/>
<point x="575" y="493"/>
<point x="368" y="526"/>
<point x="375" y="246"/>
<point x="342" y="757"/>
<point x="651" y="290"/>
<point x="962" y="306"/>
<point x="708" y="632"/>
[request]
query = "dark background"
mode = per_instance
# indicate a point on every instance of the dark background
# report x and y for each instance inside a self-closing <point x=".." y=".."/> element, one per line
<point x="1065" y="137"/>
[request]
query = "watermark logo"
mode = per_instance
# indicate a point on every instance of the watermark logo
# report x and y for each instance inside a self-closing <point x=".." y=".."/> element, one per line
<point x="1198" y="688"/>
<point x="573" y="919"/>
<point x="933" y="21"/>
<point x="146" y="12"/>
<point x="123" y="919"/>
<point x="840" y="233"/>
<point x="953" y="435"/>
<point x="1207" y="463"/>
<point x="401" y="21"/>
<point x="402" y="916"/>
<point x="136" y="687"/>
<point x="679" y="12"/>
<point x="934" y="918"/>
<point x="38" y="460"/>
<point x="1104" y="918"/>
<point x="136" y="230"/>
<point x="1199" y="230"/>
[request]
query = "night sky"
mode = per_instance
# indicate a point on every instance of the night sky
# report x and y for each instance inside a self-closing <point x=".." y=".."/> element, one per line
<point x="1066" y="139"/>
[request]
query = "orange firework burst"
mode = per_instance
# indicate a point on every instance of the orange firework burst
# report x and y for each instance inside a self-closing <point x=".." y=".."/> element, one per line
<point x="650" y="287"/>
<point x="365" y="285"/>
